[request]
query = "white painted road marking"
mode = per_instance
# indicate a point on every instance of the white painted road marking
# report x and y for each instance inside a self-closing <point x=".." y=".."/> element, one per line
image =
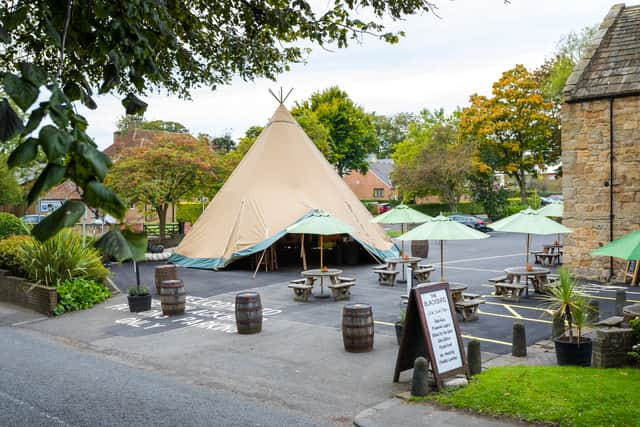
<point x="33" y="408"/>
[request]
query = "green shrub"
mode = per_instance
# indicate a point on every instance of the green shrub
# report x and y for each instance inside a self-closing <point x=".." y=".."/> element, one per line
<point x="11" y="254"/>
<point x="514" y="207"/>
<point x="78" y="294"/>
<point x="11" y="225"/>
<point x="189" y="211"/>
<point x="435" y="209"/>
<point x="61" y="258"/>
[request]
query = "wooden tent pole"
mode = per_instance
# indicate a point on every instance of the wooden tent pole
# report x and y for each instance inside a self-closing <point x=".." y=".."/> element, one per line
<point x="303" y="254"/>
<point x="259" y="262"/>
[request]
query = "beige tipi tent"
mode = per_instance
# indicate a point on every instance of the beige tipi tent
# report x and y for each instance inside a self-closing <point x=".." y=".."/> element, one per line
<point x="281" y="180"/>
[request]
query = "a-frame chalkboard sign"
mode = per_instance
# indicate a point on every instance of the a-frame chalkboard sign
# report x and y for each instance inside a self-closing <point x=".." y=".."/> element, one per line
<point x="431" y="330"/>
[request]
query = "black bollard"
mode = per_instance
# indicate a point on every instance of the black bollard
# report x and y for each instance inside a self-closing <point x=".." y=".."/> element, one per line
<point x="420" y="381"/>
<point x="473" y="357"/>
<point x="621" y="300"/>
<point x="557" y="327"/>
<point x="519" y="347"/>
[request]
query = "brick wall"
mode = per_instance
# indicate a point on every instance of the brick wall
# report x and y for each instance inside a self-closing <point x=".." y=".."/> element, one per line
<point x="363" y="186"/>
<point x="19" y="291"/>
<point x="585" y="158"/>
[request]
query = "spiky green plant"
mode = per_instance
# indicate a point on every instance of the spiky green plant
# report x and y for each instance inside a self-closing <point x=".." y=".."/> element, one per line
<point x="568" y="302"/>
<point x="580" y="313"/>
<point x="60" y="258"/>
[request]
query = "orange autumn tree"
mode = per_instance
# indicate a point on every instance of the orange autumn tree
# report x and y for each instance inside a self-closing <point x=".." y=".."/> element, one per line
<point x="515" y="128"/>
<point x="161" y="173"/>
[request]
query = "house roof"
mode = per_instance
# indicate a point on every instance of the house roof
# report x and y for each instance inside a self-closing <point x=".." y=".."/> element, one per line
<point x="382" y="169"/>
<point x="610" y="65"/>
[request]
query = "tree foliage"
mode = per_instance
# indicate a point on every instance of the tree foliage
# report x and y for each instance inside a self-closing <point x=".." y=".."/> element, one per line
<point x="351" y="131"/>
<point x="65" y="50"/>
<point x="391" y="130"/>
<point x="137" y="121"/>
<point x="516" y="129"/>
<point x="432" y="159"/>
<point x="162" y="173"/>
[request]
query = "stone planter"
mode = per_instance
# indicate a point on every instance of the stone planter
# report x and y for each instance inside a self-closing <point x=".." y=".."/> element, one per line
<point x="18" y="290"/>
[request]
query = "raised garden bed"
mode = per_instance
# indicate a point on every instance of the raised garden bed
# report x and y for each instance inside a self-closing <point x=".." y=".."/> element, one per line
<point x="18" y="290"/>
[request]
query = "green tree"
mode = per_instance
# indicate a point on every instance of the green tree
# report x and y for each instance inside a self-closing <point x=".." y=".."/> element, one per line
<point x="391" y="130"/>
<point x="315" y="130"/>
<point x="432" y="159"/>
<point x="137" y="121"/>
<point x="352" y="134"/>
<point x="516" y="125"/>
<point x="161" y="174"/>
<point x="10" y="190"/>
<point x="221" y="143"/>
<point x="131" y="47"/>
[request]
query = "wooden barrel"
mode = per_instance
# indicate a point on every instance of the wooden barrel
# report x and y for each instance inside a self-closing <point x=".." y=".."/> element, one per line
<point x="357" y="328"/>
<point x="420" y="248"/>
<point x="165" y="272"/>
<point x="248" y="313"/>
<point x="172" y="297"/>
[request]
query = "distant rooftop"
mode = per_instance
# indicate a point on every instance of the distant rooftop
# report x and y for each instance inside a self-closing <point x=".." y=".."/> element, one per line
<point x="610" y="65"/>
<point x="382" y="169"/>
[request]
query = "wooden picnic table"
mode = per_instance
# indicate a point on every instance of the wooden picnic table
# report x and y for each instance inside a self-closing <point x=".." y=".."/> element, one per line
<point x="331" y="273"/>
<point x="412" y="260"/>
<point x="456" y="289"/>
<point x="537" y="276"/>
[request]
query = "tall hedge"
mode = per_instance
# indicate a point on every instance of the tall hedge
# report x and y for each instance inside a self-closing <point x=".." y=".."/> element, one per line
<point x="11" y="225"/>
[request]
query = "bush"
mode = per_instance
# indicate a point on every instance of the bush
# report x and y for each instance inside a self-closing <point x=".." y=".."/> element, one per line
<point x="189" y="211"/>
<point x="78" y="294"/>
<point x="11" y="225"/>
<point x="434" y="209"/>
<point x="11" y="254"/>
<point x="61" y="258"/>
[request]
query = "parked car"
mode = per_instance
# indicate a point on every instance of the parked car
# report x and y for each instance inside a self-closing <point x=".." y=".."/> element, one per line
<point x="32" y="219"/>
<point x="471" y="221"/>
<point x="551" y="199"/>
<point x="383" y="207"/>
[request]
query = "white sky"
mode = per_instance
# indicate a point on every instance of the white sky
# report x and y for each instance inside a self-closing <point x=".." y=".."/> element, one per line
<point x="439" y="63"/>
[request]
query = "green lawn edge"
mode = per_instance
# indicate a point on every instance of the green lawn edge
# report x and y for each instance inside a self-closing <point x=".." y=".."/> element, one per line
<point x="568" y="396"/>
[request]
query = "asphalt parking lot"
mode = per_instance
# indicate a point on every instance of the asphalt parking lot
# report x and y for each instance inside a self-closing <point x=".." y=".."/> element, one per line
<point x="470" y="262"/>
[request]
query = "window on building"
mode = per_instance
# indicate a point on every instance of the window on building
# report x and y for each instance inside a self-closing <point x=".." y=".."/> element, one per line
<point x="378" y="193"/>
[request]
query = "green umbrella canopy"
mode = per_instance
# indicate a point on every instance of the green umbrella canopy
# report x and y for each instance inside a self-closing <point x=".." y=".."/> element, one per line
<point x="627" y="247"/>
<point x="555" y="209"/>
<point x="530" y="222"/>
<point x="320" y="222"/>
<point x="443" y="228"/>
<point x="401" y="214"/>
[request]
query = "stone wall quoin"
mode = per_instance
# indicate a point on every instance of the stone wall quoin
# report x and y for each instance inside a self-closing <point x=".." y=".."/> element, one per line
<point x="585" y="157"/>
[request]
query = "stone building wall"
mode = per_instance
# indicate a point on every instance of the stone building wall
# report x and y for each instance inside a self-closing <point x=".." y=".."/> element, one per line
<point x="585" y="158"/>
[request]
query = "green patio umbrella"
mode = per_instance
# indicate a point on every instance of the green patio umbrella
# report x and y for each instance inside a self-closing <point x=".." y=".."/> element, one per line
<point x="529" y="222"/>
<point x="442" y="228"/>
<point x="555" y="210"/>
<point x="322" y="223"/>
<point x="626" y="247"/>
<point x="402" y="214"/>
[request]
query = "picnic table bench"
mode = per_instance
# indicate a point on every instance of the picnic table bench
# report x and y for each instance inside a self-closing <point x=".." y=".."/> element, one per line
<point x="468" y="308"/>
<point x="422" y="274"/>
<point x="498" y="279"/>
<point x="509" y="291"/>
<point x="387" y="277"/>
<point x="342" y="289"/>
<point x="301" y="289"/>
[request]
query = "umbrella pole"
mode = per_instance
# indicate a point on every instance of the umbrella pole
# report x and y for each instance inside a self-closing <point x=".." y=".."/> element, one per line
<point x="527" y="253"/>
<point x="402" y="232"/>
<point x="321" y="250"/>
<point x="442" y="260"/>
<point x="303" y="254"/>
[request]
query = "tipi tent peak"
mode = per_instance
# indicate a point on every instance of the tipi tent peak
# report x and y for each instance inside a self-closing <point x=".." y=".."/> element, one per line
<point x="281" y="180"/>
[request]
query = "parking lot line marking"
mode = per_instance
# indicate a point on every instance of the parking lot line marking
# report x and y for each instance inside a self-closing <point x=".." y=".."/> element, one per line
<point x="471" y="337"/>
<point x="512" y="311"/>
<point x="483" y="258"/>
<point x="513" y="317"/>
<point x="518" y="306"/>
<point x="475" y="269"/>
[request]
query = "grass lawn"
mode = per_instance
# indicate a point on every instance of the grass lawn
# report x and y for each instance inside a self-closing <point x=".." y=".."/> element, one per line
<point x="568" y="396"/>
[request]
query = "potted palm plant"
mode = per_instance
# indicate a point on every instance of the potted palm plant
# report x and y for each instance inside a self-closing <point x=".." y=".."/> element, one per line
<point x="573" y="306"/>
<point x="139" y="297"/>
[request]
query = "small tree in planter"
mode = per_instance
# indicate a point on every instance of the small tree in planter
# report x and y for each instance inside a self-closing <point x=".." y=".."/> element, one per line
<point x="130" y="246"/>
<point x="574" y="307"/>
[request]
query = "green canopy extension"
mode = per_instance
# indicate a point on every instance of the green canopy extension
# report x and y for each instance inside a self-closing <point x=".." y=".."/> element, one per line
<point x="443" y="228"/>
<point x="626" y="247"/>
<point x="555" y="209"/>
<point x="402" y="214"/>
<point x="529" y="222"/>
<point x="320" y="222"/>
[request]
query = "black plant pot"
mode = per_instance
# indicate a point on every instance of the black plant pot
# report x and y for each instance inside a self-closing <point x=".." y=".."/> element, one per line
<point x="139" y="303"/>
<point x="399" y="330"/>
<point x="569" y="352"/>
